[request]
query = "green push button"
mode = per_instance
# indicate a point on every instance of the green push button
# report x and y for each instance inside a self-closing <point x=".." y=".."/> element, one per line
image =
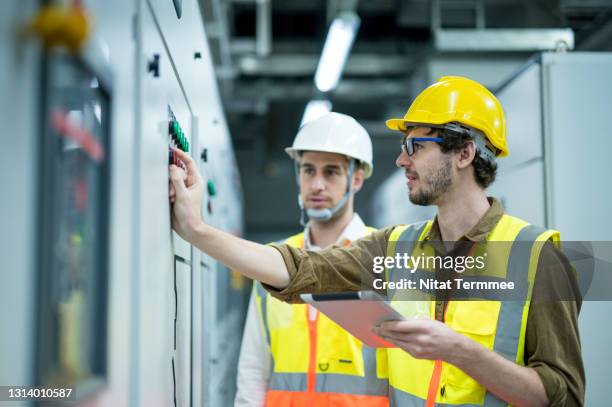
<point x="212" y="191"/>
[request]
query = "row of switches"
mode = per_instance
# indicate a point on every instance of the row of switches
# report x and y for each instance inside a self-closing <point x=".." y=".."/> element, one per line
<point x="177" y="135"/>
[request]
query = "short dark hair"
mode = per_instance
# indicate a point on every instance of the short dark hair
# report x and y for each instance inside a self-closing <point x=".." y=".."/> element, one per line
<point x="484" y="171"/>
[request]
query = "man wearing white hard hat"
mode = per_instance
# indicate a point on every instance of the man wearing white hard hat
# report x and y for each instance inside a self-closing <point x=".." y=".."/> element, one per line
<point x="292" y="354"/>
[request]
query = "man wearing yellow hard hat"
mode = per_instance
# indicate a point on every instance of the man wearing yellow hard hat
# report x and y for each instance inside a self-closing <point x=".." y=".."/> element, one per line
<point x="490" y="351"/>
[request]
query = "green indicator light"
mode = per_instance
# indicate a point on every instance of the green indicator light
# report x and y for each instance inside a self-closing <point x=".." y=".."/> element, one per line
<point x="212" y="191"/>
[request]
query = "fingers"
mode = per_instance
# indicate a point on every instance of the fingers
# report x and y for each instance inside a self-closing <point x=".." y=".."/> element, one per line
<point x="395" y="335"/>
<point x="178" y="181"/>
<point x="411" y="343"/>
<point x="398" y="326"/>
<point x="192" y="169"/>
<point x="171" y="192"/>
<point x="399" y="343"/>
<point x="407" y="326"/>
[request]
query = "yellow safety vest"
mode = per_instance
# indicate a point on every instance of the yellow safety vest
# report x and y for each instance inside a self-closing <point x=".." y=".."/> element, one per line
<point x="317" y="363"/>
<point x="496" y="325"/>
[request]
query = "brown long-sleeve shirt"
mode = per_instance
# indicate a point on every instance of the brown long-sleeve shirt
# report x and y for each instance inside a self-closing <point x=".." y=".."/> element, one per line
<point x="552" y="345"/>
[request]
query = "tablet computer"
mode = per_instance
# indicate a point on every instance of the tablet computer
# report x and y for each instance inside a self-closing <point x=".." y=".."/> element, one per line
<point x="357" y="312"/>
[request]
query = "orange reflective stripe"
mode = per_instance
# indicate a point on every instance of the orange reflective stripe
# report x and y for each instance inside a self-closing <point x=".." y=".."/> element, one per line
<point x="434" y="382"/>
<point x="304" y="385"/>
<point x="312" y="362"/>
<point x="281" y="398"/>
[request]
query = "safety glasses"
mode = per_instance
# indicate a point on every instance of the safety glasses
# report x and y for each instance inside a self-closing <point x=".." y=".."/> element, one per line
<point x="413" y="144"/>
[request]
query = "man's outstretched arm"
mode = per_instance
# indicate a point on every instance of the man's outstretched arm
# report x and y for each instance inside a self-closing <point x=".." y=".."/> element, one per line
<point x="256" y="261"/>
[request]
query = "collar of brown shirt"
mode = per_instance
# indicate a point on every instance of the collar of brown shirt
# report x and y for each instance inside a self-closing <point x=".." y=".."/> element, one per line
<point x="477" y="234"/>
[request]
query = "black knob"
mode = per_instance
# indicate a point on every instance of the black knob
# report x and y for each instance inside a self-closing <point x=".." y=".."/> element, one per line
<point x="204" y="155"/>
<point x="153" y="66"/>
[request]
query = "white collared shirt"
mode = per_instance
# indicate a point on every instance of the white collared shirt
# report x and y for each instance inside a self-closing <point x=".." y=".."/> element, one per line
<point x="354" y="230"/>
<point x="255" y="362"/>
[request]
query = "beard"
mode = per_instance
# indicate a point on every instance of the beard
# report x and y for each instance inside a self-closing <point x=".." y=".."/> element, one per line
<point x="438" y="182"/>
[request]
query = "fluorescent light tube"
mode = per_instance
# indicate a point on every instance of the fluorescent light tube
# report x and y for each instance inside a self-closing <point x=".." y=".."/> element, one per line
<point x="315" y="109"/>
<point x="337" y="46"/>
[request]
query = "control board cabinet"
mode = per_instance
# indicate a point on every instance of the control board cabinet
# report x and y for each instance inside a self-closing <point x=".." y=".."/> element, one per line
<point x="165" y="275"/>
<point x="98" y="291"/>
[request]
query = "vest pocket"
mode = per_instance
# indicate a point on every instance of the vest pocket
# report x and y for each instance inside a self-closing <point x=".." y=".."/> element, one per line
<point x="338" y="352"/>
<point x="478" y="321"/>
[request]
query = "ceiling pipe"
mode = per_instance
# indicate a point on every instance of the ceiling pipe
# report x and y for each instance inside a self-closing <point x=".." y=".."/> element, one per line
<point x="263" y="33"/>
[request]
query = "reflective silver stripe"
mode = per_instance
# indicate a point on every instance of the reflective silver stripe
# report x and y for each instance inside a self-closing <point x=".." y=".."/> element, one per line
<point x="345" y="384"/>
<point x="288" y="381"/>
<point x="408" y="238"/>
<point x="369" y="384"/>
<point x="510" y="316"/>
<point x="263" y="295"/>
<point x="329" y="383"/>
<point x="398" y="398"/>
<point x="412" y="232"/>
<point x="492" y="401"/>
<point x="511" y="312"/>
<point x="373" y="384"/>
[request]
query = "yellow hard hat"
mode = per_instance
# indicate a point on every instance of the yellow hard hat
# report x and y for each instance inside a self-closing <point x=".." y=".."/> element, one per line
<point x="461" y="100"/>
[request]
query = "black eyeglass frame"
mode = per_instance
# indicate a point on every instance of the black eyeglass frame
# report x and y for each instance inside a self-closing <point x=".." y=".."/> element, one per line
<point x="408" y="143"/>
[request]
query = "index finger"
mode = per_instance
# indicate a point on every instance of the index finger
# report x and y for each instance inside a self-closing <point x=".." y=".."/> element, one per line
<point x="190" y="165"/>
<point x="406" y="326"/>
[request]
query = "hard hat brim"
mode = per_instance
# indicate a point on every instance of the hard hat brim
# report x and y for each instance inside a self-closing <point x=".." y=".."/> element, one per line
<point x="396" y="124"/>
<point x="295" y="155"/>
<point x="403" y="124"/>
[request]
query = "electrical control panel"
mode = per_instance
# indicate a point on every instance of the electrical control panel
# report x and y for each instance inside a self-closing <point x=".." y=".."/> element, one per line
<point x="89" y="206"/>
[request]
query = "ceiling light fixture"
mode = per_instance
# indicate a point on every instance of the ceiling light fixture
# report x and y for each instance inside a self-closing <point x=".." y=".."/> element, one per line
<point x="314" y="110"/>
<point x="338" y="43"/>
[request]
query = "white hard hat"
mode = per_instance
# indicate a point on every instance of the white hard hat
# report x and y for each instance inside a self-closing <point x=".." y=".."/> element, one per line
<point x="335" y="133"/>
